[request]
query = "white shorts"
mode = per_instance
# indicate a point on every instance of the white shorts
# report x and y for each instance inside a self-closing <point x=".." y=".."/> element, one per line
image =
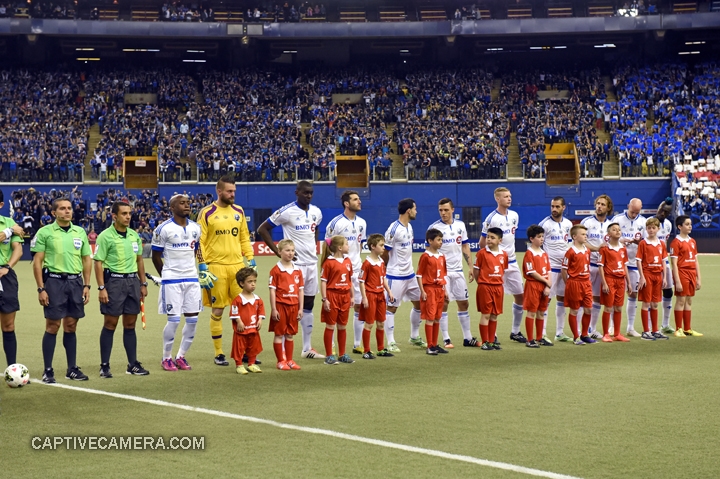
<point x="179" y="297"/>
<point x="457" y="286"/>
<point x="634" y="279"/>
<point x="668" y="283"/>
<point x="558" y="284"/>
<point x="310" y="276"/>
<point x="356" y="288"/>
<point x="512" y="280"/>
<point x="595" y="280"/>
<point x="404" y="290"/>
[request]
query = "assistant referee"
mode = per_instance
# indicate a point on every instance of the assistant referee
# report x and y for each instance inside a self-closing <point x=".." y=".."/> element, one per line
<point x="11" y="239"/>
<point x="118" y="269"/>
<point x="62" y="267"/>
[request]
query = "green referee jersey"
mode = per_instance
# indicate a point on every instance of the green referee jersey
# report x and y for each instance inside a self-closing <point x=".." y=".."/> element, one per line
<point x="63" y="249"/>
<point x="6" y="246"/>
<point x="117" y="253"/>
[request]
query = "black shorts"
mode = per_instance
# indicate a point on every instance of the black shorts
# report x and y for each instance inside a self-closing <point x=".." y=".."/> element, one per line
<point x="124" y="295"/>
<point x="66" y="298"/>
<point x="9" y="302"/>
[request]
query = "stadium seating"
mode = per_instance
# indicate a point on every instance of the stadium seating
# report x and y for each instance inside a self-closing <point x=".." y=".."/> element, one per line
<point x="392" y="14"/>
<point x="519" y="11"/>
<point x="109" y="14"/>
<point x="352" y="15"/>
<point x="560" y="10"/>
<point x="433" y="14"/>
<point x="603" y="9"/>
<point x="684" y="7"/>
<point x="144" y="14"/>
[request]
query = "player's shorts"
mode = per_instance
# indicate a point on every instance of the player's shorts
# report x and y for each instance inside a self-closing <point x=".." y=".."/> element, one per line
<point x="9" y="302"/>
<point x="558" y="283"/>
<point x="534" y="300"/>
<point x="357" y="295"/>
<point x="243" y="344"/>
<point x="376" y="309"/>
<point x="403" y="290"/>
<point x="512" y="279"/>
<point x="288" y="323"/>
<point x="431" y="309"/>
<point x="688" y="279"/>
<point x="668" y="283"/>
<point x="457" y="286"/>
<point x="225" y="289"/>
<point x="66" y="297"/>
<point x="180" y="296"/>
<point x="123" y="295"/>
<point x="578" y="294"/>
<point x="633" y="278"/>
<point x="652" y="292"/>
<point x="310" y="276"/>
<point x="616" y="295"/>
<point x="596" y="282"/>
<point x="339" y="308"/>
<point x="489" y="299"/>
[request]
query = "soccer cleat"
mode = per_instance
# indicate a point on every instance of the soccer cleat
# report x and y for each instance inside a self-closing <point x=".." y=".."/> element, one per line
<point x="545" y="342"/>
<point x="105" y="371"/>
<point x="679" y="333"/>
<point x="358" y="350"/>
<point x="487" y="346"/>
<point x="579" y="342"/>
<point x="293" y="365"/>
<point x="587" y="339"/>
<point x="667" y="330"/>
<point x="418" y="342"/>
<point x="312" y="354"/>
<point x="253" y="368"/>
<point x="596" y="335"/>
<point x="563" y="338"/>
<point x="621" y="338"/>
<point x="517" y="337"/>
<point x="137" y="369"/>
<point x="632" y="333"/>
<point x="75" y="374"/>
<point x="471" y="343"/>
<point x="496" y="346"/>
<point x="385" y="354"/>
<point x="440" y="350"/>
<point x="48" y="376"/>
<point x="182" y="363"/>
<point x="659" y="335"/>
<point x="647" y="336"/>
<point x="607" y="339"/>
<point x="331" y="360"/>
<point x="431" y="352"/>
<point x="167" y="365"/>
<point x="532" y="344"/>
<point x="346" y="359"/>
<point x="393" y="347"/>
<point x="691" y="332"/>
<point x="449" y="344"/>
<point x="368" y="355"/>
<point x="283" y="366"/>
<point x="221" y="361"/>
<point x="241" y="370"/>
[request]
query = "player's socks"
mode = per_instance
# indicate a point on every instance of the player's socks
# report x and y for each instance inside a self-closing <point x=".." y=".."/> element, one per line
<point x="560" y="318"/>
<point x="328" y="339"/>
<point x="216" y="333"/>
<point x="464" y="318"/>
<point x="678" y="319"/>
<point x="341" y="338"/>
<point x="573" y="325"/>
<point x="444" y="326"/>
<point x="48" y="348"/>
<point x="492" y="331"/>
<point x="130" y="343"/>
<point x="645" y="318"/>
<point x="168" y="336"/>
<point x="366" y="340"/>
<point x="667" y="309"/>
<point x="654" y="320"/>
<point x="539" y="329"/>
<point x="631" y="312"/>
<point x="517" y="310"/>
<point x="484" y="332"/>
<point x="390" y="326"/>
<point x="358" y="328"/>
<point x="106" y="344"/>
<point x="251" y="360"/>
<point x="606" y="322"/>
<point x="617" y="319"/>
<point x="415" y="322"/>
<point x="687" y="317"/>
<point x="289" y="349"/>
<point x="380" y="338"/>
<point x="188" y="335"/>
<point x="307" y="326"/>
<point x="529" y="325"/>
<point x="436" y="333"/>
<point x="10" y="346"/>
<point x="594" y="316"/>
<point x="70" y="344"/>
<point x="428" y="334"/>
<point x="278" y="348"/>
<point x="585" y="321"/>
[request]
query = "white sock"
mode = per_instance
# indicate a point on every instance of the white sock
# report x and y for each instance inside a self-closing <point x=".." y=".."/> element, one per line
<point x="517" y="317"/>
<point x="188" y="334"/>
<point x="415" y="323"/>
<point x="631" y="311"/>
<point x="358" y="327"/>
<point x="545" y="320"/>
<point x="464" y="318"/>
<point x="169" y="335"/>
<point x="560" y="318"/>
<point x="667" y="312"/>
<point x="307" y="325"/>
<point x="390" y="327"/>
<point x="444" y="326"/>
<point x="594" y="316"/>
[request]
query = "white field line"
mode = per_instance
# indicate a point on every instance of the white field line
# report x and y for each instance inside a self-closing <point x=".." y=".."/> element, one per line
<point x="324" y="432"/>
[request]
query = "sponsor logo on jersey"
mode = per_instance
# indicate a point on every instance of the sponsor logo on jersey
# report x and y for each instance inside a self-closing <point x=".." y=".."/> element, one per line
<point x="233" y="232"/>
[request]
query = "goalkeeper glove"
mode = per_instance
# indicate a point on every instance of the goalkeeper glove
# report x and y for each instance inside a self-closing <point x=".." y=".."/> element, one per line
<point x="252" y="264"/>
<point x="206" y="277"/>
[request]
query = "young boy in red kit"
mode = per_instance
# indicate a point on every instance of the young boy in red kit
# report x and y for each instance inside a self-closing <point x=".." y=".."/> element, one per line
<point x="286" y="300"/>
<point x="247" y="312"/>
<point x="432" y="277"/>
<point x="686" y="273"/>
<point x="536" y="269"/>
<point x="488" y="272"/>
<point x="373" y="285"/>
<point x="578" y="288"/>
<point x="651" y="257"/>
<point x="612" y="268"/>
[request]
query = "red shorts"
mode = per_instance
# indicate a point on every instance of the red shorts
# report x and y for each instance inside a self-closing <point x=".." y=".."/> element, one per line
<point x="339" y="308"/>
<point x="616" y="296"/>
<point x="376" y="309"/>
<point x="652" y="292"/>
<point x="431" y="309"/>
<point x="288" y="323"/>
<point x="578" y="293"/>
<point x="688" y="279"/>
<point x="489" y="298"/>
<point x="534" y="300"/>
<point x="243" y="344"/>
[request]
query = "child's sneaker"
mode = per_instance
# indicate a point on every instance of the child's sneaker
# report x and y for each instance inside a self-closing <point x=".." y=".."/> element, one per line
<point x="659" y="335"/>
<point x="393" y="347"/>
<point x="487" y="346"/>
<point x="634" y="334"/>
<point x="385" y="354"/>
<point x="368" y="355"/>
<point x="545" y="341"/>
<point x="667" y="330"/>
<point x="241" y="370"/>
<point x="440" y="350"/>
<point x="331" y="360"/>
<point x="283" y="366"/>
<point x="679" y="333"/>
<point x="496" y="345"/>
<point x="621" y="338"/>
<point x="182" y="363"/>
<point x="690" y="332"/>
<point x="254" y="368"/>
<point x="471" y="343"/>
<point x="532" y="344"/>
<point x="647" y="336"/>
<point x="587" y="339"/>
<point x="579" y="342"/>
<point x="596" y="335"/>
<point x="312" y="354"/>
<point x="563" y="338"/>
<point x="168" y="365"/>
<point x="607" y="339"/>
<point x="358" y="350"/>
<point x="346" y="359"/>
<point x="293" y="365"/>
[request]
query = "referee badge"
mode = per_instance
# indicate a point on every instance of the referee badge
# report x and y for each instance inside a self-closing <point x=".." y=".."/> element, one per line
<point x="135" y="248"/>
<point x="77" y="243"/>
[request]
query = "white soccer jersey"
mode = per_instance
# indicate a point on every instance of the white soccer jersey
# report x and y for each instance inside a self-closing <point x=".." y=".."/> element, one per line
<point x="557" y="240"/>
<point x="299" y="226"/>
<point x="508" y="224"/>
<point x="354" y="231"/>
<point x="454" y="237"/>
<point x="665" y="231"/>
<point x="178" y="246"/>
<point x="631" y="230"/>
<point x="596" y="234"/>
<point x="399" y="241"/>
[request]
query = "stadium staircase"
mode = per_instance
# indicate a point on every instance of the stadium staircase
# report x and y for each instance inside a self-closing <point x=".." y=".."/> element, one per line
<point x="495" y="91"/>
<point x="514" y="167"/>
<point x="93" y="140"/>
<point x="398" y="168"/>
<point x="611" y="169"/>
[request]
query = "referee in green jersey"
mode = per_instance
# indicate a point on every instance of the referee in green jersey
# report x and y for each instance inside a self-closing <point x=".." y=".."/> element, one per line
<point x="11" y="239"/>
<point x="118" y="269"/>
<point x="62" y="267"/>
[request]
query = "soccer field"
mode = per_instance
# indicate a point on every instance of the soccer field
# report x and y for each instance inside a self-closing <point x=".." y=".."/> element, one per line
<point x="639" y="409"/>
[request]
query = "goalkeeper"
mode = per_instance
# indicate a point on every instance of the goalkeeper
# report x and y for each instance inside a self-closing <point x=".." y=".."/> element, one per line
<point x="223" y="229"/>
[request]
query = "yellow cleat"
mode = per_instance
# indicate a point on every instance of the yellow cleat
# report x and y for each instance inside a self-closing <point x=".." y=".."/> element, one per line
<point x="693" y="333"/>
<point x="253" y="368"/>
<point x="241" y="370"/>
<point x="679" y="333"/>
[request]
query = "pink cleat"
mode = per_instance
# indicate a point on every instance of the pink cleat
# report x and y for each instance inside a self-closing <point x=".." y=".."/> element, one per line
<point x="168" y="365"/>
<point x="293" y="365"/>
<point x="283" y="366"/>
<point x="182" y="363"/>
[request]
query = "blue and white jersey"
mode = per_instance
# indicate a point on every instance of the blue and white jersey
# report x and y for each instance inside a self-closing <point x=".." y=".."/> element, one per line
<point x="664" y="233"/>
<point x="178" y="246"/>
<point x="399" y="243"/>
<point x="354" y="231"/>
<point x="299" y="226"/>
<point x="557" y="240"/>
<point x="596" y="234"/>
<point x="508" y="224"/>
<point x="454" y="237"/>
<point x="631" y="230"/>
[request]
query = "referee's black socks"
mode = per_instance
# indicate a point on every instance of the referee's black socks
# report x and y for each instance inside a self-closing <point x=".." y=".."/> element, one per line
<point x="130" y="342"/>
<point x="70" y="343"/>
<point x="48" y="348"/>
<point x="106" y="344"/>
<point x="10" y="346"/>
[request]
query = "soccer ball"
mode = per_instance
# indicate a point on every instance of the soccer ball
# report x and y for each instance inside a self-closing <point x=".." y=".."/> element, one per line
<point x="17" y="376"/>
